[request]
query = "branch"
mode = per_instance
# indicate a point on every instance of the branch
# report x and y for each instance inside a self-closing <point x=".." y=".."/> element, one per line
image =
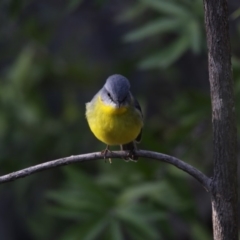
<point x="204" y="180"/>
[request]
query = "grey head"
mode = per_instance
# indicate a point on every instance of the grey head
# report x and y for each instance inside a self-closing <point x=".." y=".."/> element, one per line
<point x="116" y="92"/>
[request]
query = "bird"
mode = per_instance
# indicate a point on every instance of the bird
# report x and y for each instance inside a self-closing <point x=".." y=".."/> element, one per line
<point x="115" y="116"/>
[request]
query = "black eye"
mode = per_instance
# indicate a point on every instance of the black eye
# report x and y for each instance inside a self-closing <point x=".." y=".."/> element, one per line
<point x="109" y="95"/>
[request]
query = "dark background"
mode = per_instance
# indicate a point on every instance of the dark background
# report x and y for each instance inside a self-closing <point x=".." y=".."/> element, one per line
<point x="54" y="56"/>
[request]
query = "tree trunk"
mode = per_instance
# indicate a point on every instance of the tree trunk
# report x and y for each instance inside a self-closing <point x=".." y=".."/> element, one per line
<point x="224" y="184"/>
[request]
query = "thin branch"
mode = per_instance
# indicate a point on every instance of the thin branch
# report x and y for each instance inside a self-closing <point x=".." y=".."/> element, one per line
<point x="203" y="179"/>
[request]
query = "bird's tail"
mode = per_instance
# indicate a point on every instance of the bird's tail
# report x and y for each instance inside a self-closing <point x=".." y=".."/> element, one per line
<point x="131" y="147"/>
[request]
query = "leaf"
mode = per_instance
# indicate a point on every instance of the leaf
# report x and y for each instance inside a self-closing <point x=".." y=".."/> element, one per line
<point x="144" y="210"/>
<point x="89" y="230"/>
<point x="155" y="27"/>
<point x="235" y="14"/>
<point x="73" y="4"/>
<point x="167" y="56"/>
<point x="22" y="67"/>
<point x="131" y="13"/>
<point x="170" y="8"/>
<point x="79" y="203"/>
<point x="195" y="35"/>
<point x="200" y="232"/>
<point x="148" y="212"/>
<point x="170" y="199"/>
<point x="87" y="186"/>
<point x="137" y="223"/>
<point x="115" y="230"/>
<point x="68" y="214"/>
<point x="143" y="190"/>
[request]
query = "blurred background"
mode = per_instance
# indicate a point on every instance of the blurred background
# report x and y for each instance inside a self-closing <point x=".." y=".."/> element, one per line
<point x="55" y="55"/>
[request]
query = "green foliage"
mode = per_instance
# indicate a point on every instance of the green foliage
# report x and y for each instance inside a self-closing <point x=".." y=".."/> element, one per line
<point x="54" y="57"/>
<point x="178" y="26"/>
<point x="235" y="14"/>
<point x="73" y="4"/>
<point x="166" y="56"/>
<point x="99" y="212"/>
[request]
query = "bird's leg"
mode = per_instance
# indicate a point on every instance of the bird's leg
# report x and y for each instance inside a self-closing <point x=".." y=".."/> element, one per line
<point x="131" y="156"/>
<point x="104" y="153"/>
<point x="130" y="149"/>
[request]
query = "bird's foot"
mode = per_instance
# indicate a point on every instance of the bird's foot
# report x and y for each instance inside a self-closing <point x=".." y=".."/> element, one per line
<point x="131" y="156"/>
<point x="105" y="152"/>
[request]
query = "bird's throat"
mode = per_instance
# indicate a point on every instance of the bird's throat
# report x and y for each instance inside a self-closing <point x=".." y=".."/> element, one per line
<point x="111" y="109"/>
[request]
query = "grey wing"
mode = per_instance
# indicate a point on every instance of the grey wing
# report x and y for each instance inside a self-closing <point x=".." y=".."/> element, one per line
<point x="132" y="146"/>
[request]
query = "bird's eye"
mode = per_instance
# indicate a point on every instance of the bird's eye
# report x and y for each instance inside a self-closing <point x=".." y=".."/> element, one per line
<point x="109" y="95"/>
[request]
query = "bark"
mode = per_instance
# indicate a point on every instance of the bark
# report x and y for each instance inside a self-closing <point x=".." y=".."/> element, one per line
<point x="224" y="183"/>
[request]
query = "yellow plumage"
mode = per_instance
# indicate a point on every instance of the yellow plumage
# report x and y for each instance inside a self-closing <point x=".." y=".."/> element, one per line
<point x="113" y="126"/>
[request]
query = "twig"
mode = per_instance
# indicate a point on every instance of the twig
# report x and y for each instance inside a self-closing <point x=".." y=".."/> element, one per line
<point x="203" y="179"/>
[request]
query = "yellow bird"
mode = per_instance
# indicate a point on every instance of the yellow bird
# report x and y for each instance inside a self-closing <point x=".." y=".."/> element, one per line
<point x="114" y="115"/>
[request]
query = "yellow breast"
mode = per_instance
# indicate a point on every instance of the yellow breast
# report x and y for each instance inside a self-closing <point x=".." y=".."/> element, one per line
<point x="113" y="126"/>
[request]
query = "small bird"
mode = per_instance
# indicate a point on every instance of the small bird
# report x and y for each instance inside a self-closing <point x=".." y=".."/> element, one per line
<point x="115" y="117"/>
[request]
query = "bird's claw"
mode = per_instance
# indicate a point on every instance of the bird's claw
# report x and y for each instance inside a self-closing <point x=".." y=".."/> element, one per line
<point x="131" y="156"/>
<point x="105" y="152"/>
